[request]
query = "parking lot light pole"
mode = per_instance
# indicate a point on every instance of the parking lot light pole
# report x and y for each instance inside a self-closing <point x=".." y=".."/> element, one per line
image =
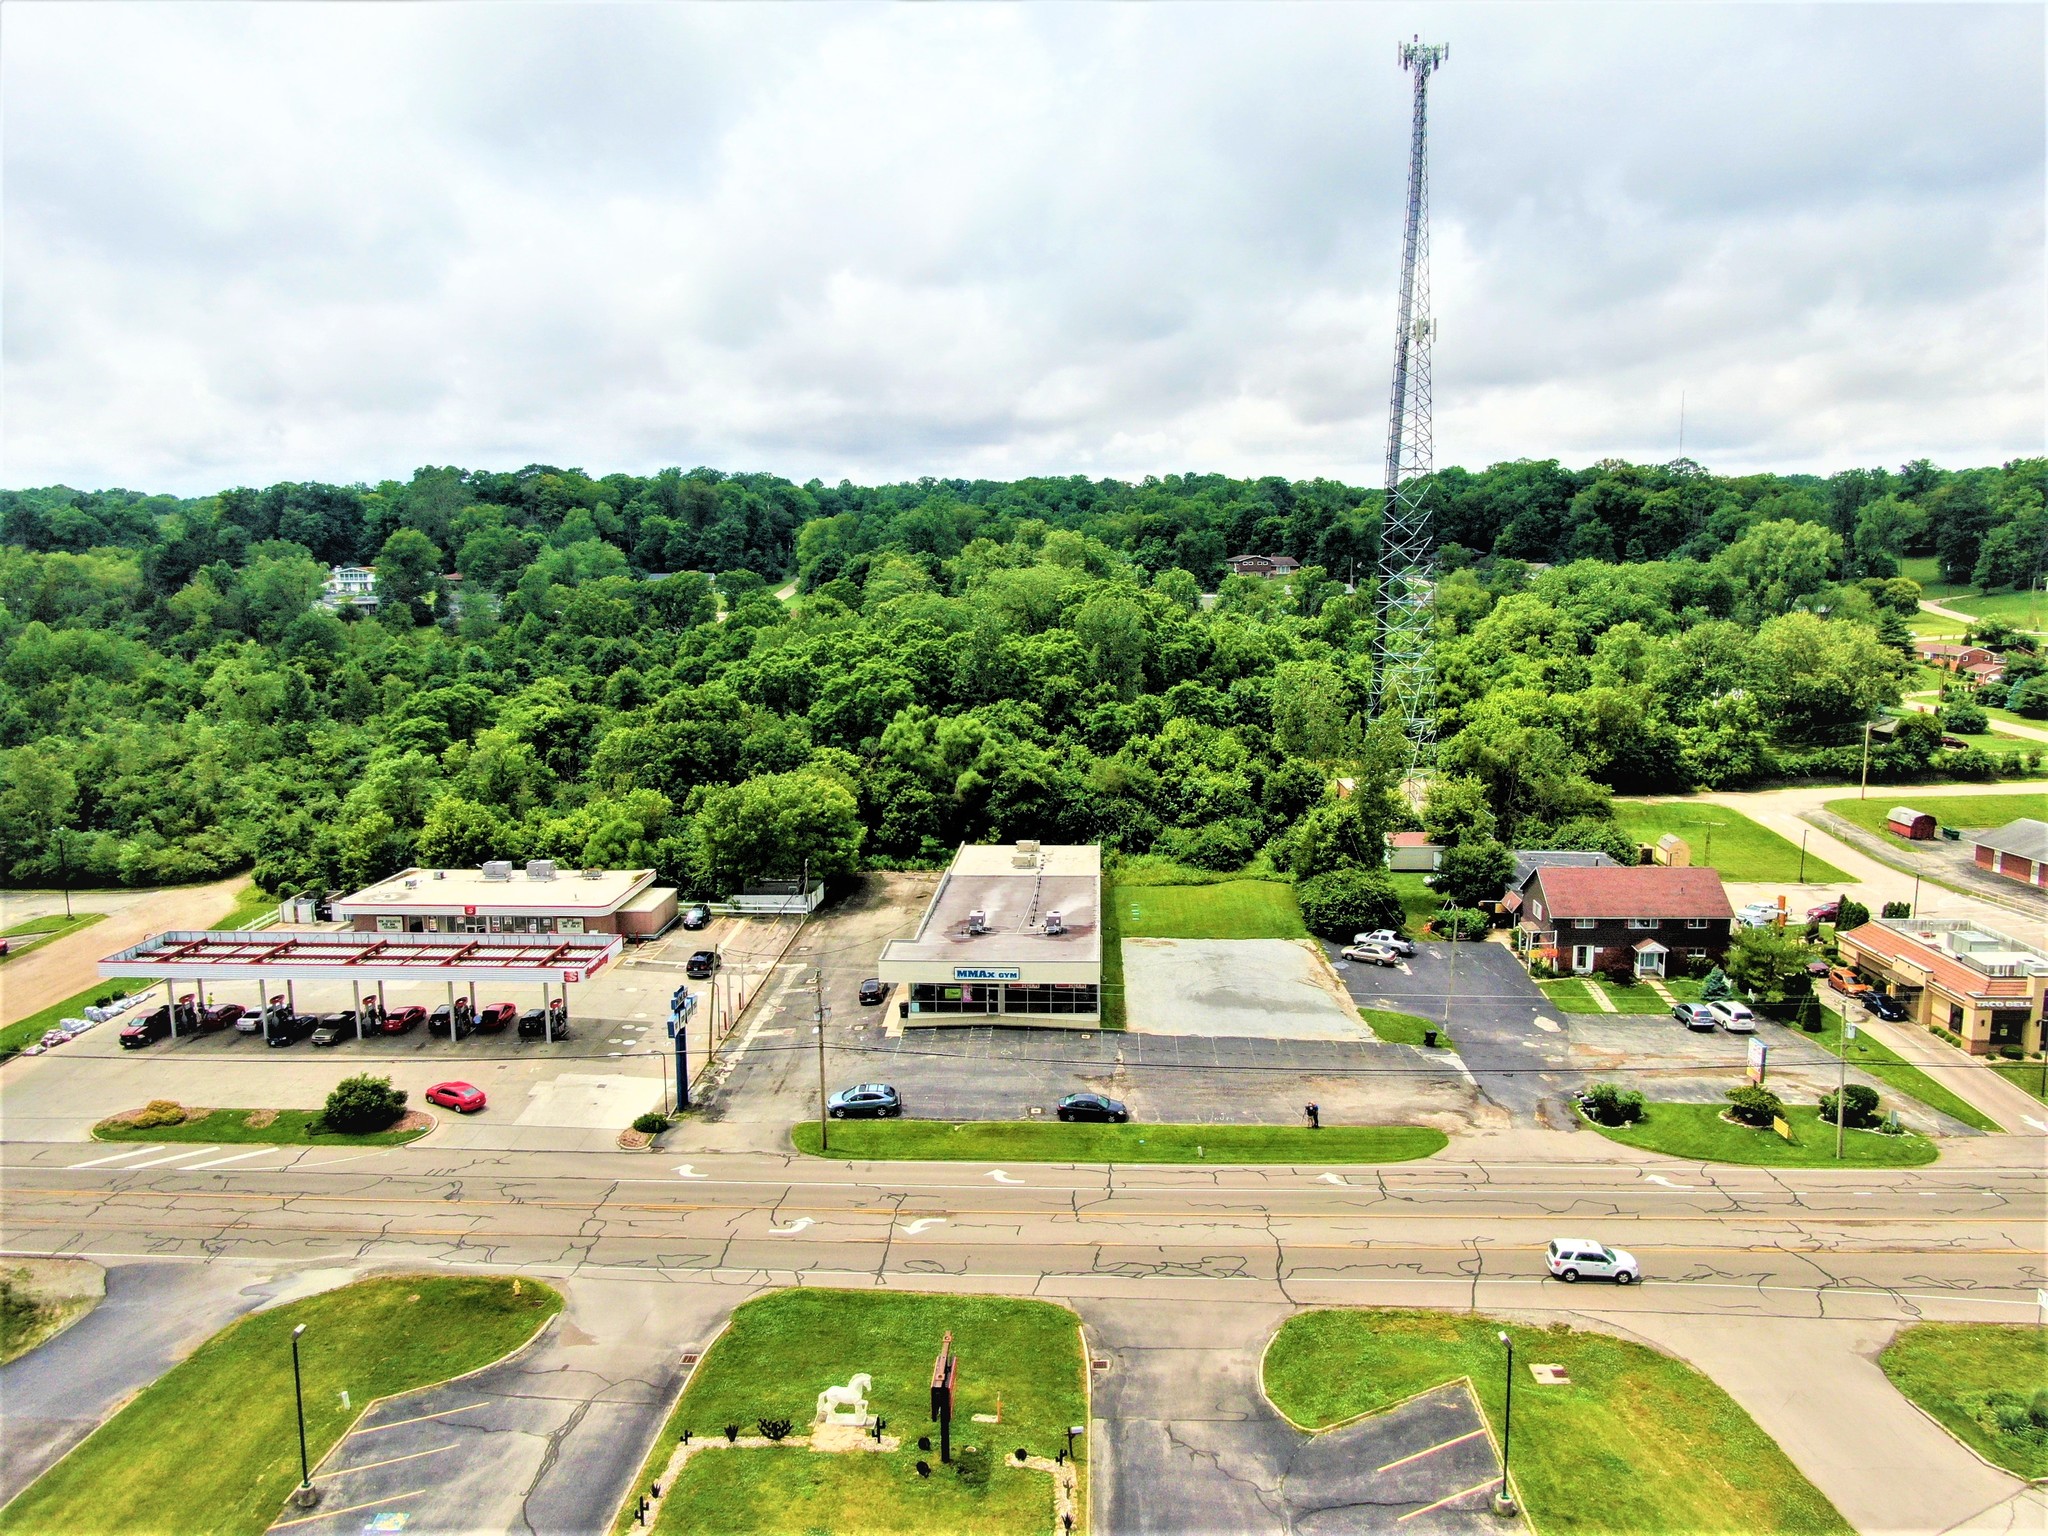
<point x="1504" y="1502"/>
<point x="305" y="1494"/>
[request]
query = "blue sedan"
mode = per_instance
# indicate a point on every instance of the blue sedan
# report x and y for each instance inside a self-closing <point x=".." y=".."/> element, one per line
<point x="874" y="1101"/>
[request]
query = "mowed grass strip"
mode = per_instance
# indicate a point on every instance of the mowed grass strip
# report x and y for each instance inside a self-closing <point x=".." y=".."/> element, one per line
<point x="28" y="1030"/>
<point x="1638" y="1441"/>
<point x="295" y="1127"/>
<point x="211" y="1448"/>
<point x="40" y="932"/>
<point x="1035" y="1141"/>
<point x="782" y="1350"/>
<point x="1698" y="1132"/>
<point x="1403" y="1028"/>
<point x="1984" y="1382"/>
<point x="1974" y="812"/>
<point x="1741" y="849"/>
<point x="1231" y="909"/>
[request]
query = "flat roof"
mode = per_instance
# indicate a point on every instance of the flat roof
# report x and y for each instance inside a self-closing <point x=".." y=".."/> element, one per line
<point x="1015" y="886"/>
<point x="215" y="955"/>
<point x="466" y="892"/>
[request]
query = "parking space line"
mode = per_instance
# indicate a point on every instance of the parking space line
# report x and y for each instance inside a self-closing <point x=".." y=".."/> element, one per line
<point x="349" y="1509"/>
<point x="371" y="1429"/>
<point x="156" y="1162"/>
<point x="1441" y="1446"/>
<point x="392" y="1461"/>
<point x="1451" y="1498"/>
<point x="237" y="1158"/>
<point x="131" y="1152"/>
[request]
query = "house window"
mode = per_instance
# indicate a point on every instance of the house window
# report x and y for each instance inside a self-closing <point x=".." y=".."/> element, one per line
<point x="1696" y="923"/>
<point x="1955" y="1017"/>
<point x="1585" y="922"/>
<point x="1642" y="922"/>
<point x="1695" y="954"/>
<point x="1536" y="910"/>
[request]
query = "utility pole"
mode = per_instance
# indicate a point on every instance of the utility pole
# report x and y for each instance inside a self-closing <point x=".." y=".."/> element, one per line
<point x="1842" y="1086"/>
<point x="1802" y="857"/>
<point x="818" y="993"/>
<point x="1405" y="678"/>
<point x="1863" y="793"/>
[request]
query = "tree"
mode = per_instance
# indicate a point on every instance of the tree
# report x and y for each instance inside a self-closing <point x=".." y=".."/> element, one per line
<point x="1347" y="901"/>
<point x="459" y="833"/>
<point x="1714" y="987"/>
<point x="362" y="1103"/>
<point x="1768" y="962"/>
<point x="1964" y="718"/>
<point x="1851" y="914"/>
<point x="1859" y="1110"/>
<point x="408" y="568"/>
<point x="773" y="827"/>
<point x="1474" y="874"/>
<point x="2013" y="555"/>
<point x="1776" y="564"/>
<point x="1458" y="811"/>
<point x="40" y="797"/>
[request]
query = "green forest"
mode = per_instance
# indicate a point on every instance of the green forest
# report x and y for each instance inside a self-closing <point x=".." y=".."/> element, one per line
<point x="728" y="676"/>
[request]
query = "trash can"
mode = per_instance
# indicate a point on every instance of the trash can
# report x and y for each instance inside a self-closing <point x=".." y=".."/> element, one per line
<point x="903" y="1010"/>
<point x="1429" y="1037"/>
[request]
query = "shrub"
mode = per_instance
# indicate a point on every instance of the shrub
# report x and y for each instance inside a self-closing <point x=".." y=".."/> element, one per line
<point x="732" y="1433"/>
<point x="1460" y="923"/>
<point x="1898" y="909"/>
<point x="1612" y="1104"/>
<point x="774" y="1429"/>
<point x="1853" y="915"/>
<point x="363" y="1103"/>
<point x="1964" y="718"/>
<point x="159" y="1112"/>
<point x="1753" y="1105"/>
<point x="1347" y="901"/>
<point x="1715" y="988"/>
<point x="1697" y="966"/>
<point x="1542" y="970"/>
<point x="651" y="1124"/>
<point x="1861" y="1110"/>
<point x="1620" y="972"/>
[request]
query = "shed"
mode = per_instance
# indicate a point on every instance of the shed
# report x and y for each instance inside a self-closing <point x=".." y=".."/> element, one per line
<point x="1413" y="851"/>
<point x="1672" y="850"/>
<point x="1904" y="821"/>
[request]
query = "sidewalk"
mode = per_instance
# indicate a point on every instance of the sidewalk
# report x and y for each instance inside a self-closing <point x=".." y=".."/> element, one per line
<point x="2018" y="1111"/>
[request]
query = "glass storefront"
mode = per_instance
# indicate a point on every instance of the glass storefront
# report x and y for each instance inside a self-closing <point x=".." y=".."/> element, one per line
<point x="982" y="998"/>
<point x="1050" y="999"/>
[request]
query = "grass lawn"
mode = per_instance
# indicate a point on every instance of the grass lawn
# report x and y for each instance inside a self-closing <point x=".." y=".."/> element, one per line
<point x="1418" y="901"/>
<point x="1638" y="1441"/>
<point x="1113" y="1016"/>
<point x="1888" y="1067"/>
<point x="35" y="1307"/>
<point x="1235" y="909"/>
<point x="1977" y="1379"/>
<point x="1402" y="1028"/>
<point x="1570" y="996"/>
<point x="783" y="1349"/>
<point x="251" y="903"/>
<point x="1933" y="626"/>
<point x="1036" y="1141"/>
<point x="2026" y="1075"/>
<point x="1969" y="811"/>
<point x="46" y="930"/>
<point x="228" y="1127"/>
<point x="28" y="1031"/>
<point x="212" y="1446"/>
<point x="1740" y="849"/>
<point x="1697" y="1131"/>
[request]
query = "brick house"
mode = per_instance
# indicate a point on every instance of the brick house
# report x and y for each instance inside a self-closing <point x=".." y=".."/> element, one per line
<point x="1263" y="565"/>
<point x="1653" y="919"/>
<point x="1957" y="658"/>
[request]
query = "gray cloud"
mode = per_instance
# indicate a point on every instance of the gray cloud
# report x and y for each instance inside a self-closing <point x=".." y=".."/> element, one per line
<point x="253" y="243"/>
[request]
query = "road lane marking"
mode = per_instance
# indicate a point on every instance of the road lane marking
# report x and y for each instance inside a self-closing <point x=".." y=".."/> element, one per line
<point x="131" y="1152"/>
<point x="371" y="1429"/>
<point x="174" y="1157"/>
<point x="238" y="1157"/>
<point x="1333" y="1178"/>
<point x="1451" y="1498"/>
<point x="1441" y="1445"/>
<point x="1658" y="1178"/>
<point x="912" y="1228"/>
<point x="346" y="1509"/>
<point x="1003" y="1178"/>
<point x="688" y="1171"/>
<point x="793" y="1228"/>
<point x="390" y="1461"/>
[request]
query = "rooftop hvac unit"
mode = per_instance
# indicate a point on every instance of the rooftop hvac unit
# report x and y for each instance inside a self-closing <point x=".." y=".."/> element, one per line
<point x="1027" y="845"/>
<point x="593" y="874"/>
<point x="540" y="869"/>
<point x="977" y="922"/>
<point x="412" y="885"/>
<point x="440" y="874"/>
<point x="1055" y="923"/>
<point x="498" y="869"/>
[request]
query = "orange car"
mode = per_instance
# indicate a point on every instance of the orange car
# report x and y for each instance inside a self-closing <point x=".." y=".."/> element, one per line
<point x="1846" y="981"/>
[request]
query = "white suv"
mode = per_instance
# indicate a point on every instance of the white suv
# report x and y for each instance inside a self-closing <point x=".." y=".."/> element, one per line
<point x="1760" y="914"/>
<point x="1386" y="938"/>
<point x="1571" y="1257"/>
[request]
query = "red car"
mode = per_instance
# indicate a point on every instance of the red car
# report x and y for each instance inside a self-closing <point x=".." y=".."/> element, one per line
<point x="1826" y="912"/>
<point x="399" y="1020"/>
<point x="496" y="1016"/>
<point x="221" y="1015"/>
<point x="463" y="1098"/>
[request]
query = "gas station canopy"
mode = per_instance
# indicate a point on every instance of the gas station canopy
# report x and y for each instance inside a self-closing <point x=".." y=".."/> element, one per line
<point x="451" y="957"/>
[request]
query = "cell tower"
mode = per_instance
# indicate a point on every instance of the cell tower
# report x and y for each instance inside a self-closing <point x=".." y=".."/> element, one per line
<point x="1407" y="681"/>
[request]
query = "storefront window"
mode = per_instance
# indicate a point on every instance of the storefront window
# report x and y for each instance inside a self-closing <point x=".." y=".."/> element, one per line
<point x="1051" y="999"/>
<point x="2007" y="1024"/>
<point x="942" y="997"/>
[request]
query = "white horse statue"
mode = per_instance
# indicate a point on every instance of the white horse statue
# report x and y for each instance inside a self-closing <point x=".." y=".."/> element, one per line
<point x="847" y="1404"/>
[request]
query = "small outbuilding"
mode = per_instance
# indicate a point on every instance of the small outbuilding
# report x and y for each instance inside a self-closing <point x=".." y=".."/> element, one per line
<point x="1672" y="851"/>
<point x="1413" y="851"/>
<point x="1904" y="821"/>
<point x="2018" y="850"/>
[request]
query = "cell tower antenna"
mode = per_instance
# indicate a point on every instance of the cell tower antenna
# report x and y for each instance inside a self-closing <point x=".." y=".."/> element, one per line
<point x="1406" y="679"/>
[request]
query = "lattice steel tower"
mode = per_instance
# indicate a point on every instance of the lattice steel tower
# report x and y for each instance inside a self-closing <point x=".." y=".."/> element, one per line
<point x="1406" y="680"/>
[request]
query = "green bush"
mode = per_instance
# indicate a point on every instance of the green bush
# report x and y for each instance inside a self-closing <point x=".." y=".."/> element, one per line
<point x="159" y="1112"/>
<point x="1861" y="1110"/>
<point x="1853" y="915"/>
<point x="651" y="1124"/>
<point x="1612" y="1104"/>
<point x="1753" y="1105"/>
<point x="363" y="1103"/>
<point x="1460" y="923"/>
<point x="1347" y="901"/>
<point x="971" y="1462"/>
<point x="1716" y="987"/>
<point x="1964" y="718"/>
<point x="1898" y="909"/>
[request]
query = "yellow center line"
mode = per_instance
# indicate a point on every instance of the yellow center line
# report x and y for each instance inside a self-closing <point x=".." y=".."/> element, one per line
<point x="1441" y="1445"/>
<point x="346" y="1509"/>
<point x="1451" y="1498"/>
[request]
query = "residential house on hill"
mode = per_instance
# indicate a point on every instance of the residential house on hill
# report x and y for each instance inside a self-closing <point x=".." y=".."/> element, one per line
<point x="1263" y="565"/>
<point x="1651" y="920"/>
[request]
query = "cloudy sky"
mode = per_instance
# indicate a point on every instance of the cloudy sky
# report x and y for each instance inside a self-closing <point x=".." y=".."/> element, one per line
<point x="252" y="243"/>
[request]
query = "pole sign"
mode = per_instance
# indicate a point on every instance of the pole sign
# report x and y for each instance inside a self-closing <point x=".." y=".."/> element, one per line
<point x="945" y="1375"/>
<point x="1759" y="1058"/>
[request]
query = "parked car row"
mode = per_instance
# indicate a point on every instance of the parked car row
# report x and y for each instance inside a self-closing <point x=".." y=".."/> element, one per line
<point x="1727" y="1014"/>
<point x="881" y="1101"/>
<point x="280" y="1026"/>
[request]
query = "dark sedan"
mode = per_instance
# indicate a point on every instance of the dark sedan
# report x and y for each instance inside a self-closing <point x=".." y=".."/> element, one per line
<point x="1093" y="1106"/>
<point x="290" y="1028"/>
<point x="872" y="1101"/>
<point x="701" y="964"/>
<point x="695" y="917"/>
<point x="872" y="991"/>
<point x="1885" y="1006"/>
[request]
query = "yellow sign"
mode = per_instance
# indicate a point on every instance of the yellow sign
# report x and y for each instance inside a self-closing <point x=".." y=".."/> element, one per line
<point x="1782" y="1127"/>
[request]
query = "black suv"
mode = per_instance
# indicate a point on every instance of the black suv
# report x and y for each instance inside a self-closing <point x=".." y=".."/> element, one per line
<point x="290" y="1028"/>
<point x="696" y="916"/>
<point x="702" y="964"/>
<point x="533" y="1024"/>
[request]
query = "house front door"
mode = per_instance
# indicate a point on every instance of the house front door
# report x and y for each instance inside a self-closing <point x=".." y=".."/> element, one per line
<point x="1650" y="962"/>
<point x="1582" y="959"/>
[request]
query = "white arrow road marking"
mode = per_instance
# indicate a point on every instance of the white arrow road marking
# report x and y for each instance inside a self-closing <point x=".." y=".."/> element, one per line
<point x="1658" y="1178"/>
<point x="686" y="1171"/>
<point x="1003" y="1178"/>
<point x="912" y="1228"/>
<point x="793" y="1228"/>
<point x="1332" y="1178"/>
<point x="2036" y="1124"/>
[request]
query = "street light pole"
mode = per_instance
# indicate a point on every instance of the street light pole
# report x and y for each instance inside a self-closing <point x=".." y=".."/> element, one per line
<point x="1802" y="855"/>
<point x="1864" y="792"/>
<point x="1504" y="1502"/>
<point x="305" y="1495"/>
<point x="818" y="992"/>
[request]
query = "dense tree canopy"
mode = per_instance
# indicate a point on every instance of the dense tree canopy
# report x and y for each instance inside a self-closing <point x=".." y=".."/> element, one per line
<point x="726" y="676"/>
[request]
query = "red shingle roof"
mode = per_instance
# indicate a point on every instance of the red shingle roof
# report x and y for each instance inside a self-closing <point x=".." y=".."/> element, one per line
<point x="1410" y="840"/>
<point x="1645" y="891"/>
<point x="1952" y="976"/>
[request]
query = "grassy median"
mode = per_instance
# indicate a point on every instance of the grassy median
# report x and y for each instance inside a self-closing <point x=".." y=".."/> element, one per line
<point x="1986" y="1383"/>
<point x="1638" y="1442"/>
<point x="1403" y="1028"/>
<point x="1700" y="1133"/>
<point x="233" y="1127"/>
<point x="211" y="1449"/>
<point x="1037" y="1141"/>
<point x="782" y="1350"/>
<point x="45" y="931"/>
<point x="27" y="1031"/>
